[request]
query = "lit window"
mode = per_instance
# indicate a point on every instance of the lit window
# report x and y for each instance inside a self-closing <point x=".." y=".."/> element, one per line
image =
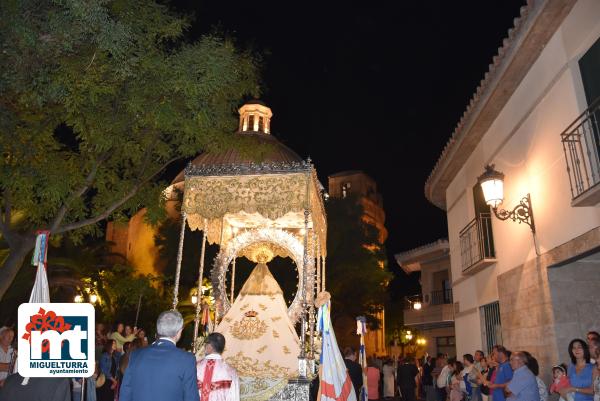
<point x="251" y="122"/>
<point x="346" y="189"/>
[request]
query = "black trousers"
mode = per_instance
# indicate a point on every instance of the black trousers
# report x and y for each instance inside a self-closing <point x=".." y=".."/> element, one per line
<point x="441" y="392"/>
<point x="408" y="393"/>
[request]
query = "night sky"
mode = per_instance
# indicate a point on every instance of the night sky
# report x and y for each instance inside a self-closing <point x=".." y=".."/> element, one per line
<point x="374" y="86"/>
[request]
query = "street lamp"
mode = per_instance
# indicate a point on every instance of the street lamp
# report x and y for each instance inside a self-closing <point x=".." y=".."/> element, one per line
<point x="492" y="185"/>
<point x="417" y="305"/>
<point x="194" y="299"/>
<point x="93" y="298"/>
<point x="78" y="298"/>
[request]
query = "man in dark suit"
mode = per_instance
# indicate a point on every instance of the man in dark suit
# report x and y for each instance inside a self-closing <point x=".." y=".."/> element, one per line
<point x="162" y="372"/>
<point x="407" y="373"/>
<point x="354" y="370"/>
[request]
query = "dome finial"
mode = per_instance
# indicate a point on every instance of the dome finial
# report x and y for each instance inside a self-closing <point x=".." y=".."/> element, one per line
<point x="255" y="117"/>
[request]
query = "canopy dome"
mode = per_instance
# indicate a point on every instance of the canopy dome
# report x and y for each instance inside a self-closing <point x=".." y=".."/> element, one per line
<point x="255" y="126"/>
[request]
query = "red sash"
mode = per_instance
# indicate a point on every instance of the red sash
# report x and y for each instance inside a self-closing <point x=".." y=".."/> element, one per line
<point x="207" y="385"/>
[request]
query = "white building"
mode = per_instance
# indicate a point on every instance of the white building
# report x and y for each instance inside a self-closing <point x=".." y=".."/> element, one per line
<point x="534" y="118"/>
<point x="433" y="319"/>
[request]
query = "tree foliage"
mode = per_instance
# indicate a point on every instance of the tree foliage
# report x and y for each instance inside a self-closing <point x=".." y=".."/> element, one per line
<point x="356" y="274"/>
<point x="86" y="269"/>
<point x="97" y="98"/>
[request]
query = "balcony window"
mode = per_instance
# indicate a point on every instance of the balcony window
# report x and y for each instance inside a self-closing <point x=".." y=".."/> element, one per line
<point x="581" y="139"/>
<point x="589" y="66"/>
<point x="581" y="145"/>
<point x="477" y="244"/>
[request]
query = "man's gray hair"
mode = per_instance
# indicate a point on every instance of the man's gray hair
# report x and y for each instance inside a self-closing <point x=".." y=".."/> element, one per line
<point x="169" y="323"/>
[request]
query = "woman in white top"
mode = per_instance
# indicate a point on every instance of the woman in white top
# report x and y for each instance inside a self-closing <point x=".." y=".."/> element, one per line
<point x="388" y="379"/>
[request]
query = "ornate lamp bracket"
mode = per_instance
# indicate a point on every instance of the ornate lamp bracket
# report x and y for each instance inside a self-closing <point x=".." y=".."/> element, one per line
<point x="522" y="213"/>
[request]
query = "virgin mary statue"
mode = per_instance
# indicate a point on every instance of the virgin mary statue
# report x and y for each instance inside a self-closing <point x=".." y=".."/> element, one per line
<point x="261" y="342"/>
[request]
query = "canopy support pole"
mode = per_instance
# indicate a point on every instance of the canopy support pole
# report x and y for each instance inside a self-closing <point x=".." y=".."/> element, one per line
<point x="318" y="262"/>
<point x="179" y="258"/>
<point x="302" y="357"/>
<point x="311" y="316"/>
<point x="323" y="275"/>
<point x="232" y="279"/>
<point x="199" y="296"/>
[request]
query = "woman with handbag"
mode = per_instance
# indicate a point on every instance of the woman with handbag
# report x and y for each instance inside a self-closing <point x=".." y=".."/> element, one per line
<point x="108" y="368"/>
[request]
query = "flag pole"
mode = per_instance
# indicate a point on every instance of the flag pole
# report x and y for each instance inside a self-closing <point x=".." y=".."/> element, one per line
<point x="137" y="313"/>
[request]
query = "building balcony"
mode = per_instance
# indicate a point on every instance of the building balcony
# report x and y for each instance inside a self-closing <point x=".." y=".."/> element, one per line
<point x="439" y="297"/>
<point x="477" y="244"/>
<point x="430" y="316"/>
<point x="437" y="310"/>
<point x="581" y="145"/>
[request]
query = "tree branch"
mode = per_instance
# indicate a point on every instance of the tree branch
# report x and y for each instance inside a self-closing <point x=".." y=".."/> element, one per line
<point x="110" y="209"/>
<point x="60" y="215"/>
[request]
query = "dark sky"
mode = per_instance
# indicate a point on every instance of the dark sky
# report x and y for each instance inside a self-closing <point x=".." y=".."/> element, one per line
<point x="376" y="86"/>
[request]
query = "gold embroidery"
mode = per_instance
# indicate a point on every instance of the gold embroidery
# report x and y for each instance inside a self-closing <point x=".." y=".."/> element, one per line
<point x="251" y="367"/>
<point x="286" y="350"/>
<point x="276" y="318"/>
<point x="275" y="334"/>
<point x="245" y="307"/>
<point x="227" y="319"/>
<point x="249" y="328"/>
<point x="261" y="306"/>
<point x="253" y="389"/>
<point x="261" y="349"/>
<point x="270" y="195"/>
<point x="263" y="252"/>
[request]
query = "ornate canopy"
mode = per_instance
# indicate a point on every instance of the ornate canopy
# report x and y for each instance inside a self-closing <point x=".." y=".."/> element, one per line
<point x="236" y="197"/>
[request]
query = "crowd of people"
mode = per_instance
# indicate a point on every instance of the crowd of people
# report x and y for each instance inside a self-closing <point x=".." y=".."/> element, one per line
<point x="130" y="369"/>
<point x="113" y="348"/>
<point x="500" y="376"/>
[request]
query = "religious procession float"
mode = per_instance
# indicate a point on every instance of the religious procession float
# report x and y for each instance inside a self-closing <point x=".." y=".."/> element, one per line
<point x="260" y="210"/>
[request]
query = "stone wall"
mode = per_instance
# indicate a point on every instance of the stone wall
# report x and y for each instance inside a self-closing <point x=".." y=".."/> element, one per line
<point x="552" y="299"/>
<point x="526" y="313"/>
<point x="575" y="290"/>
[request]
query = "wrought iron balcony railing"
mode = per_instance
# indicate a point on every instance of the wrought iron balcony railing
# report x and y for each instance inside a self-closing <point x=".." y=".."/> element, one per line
<point x="581" y="144"/>
<point x="441" y="297"/>
<point x="477" y="243"/>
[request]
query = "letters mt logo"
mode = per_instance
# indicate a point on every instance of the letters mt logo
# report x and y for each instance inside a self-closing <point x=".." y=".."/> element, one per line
<point x="51" y="337"/>
<point x="56" y="340"/>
